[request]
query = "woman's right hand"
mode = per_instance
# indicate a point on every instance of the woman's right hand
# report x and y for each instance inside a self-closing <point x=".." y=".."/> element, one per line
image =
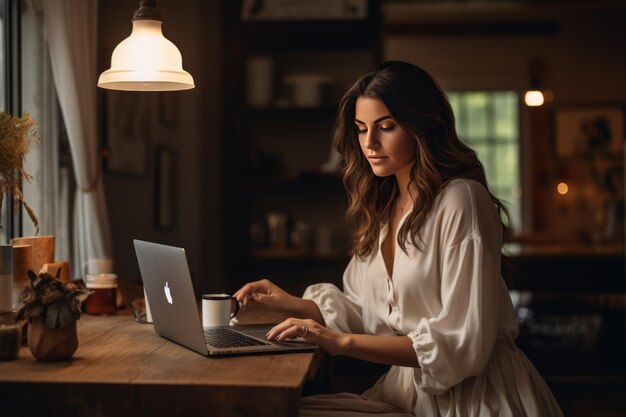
<point x="268" y="295"/>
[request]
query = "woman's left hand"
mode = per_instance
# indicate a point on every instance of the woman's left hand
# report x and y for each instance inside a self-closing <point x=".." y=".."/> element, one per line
<point x="330" y="341"/>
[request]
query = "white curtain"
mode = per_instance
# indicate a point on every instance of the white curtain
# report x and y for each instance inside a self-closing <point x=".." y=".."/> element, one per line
<point x="71" y="27"/>
<point x="46" y="193"/>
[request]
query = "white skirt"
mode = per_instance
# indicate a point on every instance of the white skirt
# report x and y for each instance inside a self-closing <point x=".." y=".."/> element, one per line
<point x="509" y="386"/>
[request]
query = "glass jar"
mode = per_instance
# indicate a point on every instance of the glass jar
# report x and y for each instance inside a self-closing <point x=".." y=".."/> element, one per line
<point x="103" y="299"/>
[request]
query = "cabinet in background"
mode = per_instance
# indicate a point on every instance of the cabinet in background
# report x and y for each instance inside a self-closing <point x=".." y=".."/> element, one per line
<point x="570" y="308"/>
<point x="283" y="197"/>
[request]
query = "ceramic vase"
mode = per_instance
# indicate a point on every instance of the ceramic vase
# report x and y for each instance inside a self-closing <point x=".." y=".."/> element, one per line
<point x="52" y="345"/>
<point x="43" y="249"/>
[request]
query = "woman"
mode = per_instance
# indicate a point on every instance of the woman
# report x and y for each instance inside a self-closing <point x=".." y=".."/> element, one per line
<point x="424" y="290"/>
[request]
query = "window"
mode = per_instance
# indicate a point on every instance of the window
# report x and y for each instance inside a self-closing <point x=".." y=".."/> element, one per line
<point x="488" y="121"/>
<point x="27" y="86"/>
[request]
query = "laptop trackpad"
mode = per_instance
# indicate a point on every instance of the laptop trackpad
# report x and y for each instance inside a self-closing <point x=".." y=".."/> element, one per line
<point x="260" y="334"/>
<point x="257" y="334"/>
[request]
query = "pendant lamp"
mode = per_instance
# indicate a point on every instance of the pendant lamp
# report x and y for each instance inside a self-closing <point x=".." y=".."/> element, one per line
<point x="533" y="98"/>
<point x="146" y="60"/>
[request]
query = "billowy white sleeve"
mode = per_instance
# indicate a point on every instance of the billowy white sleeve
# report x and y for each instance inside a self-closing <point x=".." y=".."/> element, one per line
<point x="341" y="310"/>
<point x="459" y="341"/>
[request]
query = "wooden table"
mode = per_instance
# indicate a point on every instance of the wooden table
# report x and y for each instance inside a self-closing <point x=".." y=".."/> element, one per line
<point x="123" y="368"/>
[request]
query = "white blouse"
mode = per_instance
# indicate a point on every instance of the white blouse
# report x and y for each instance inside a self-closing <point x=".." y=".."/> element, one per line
<point x="450" y="299"/>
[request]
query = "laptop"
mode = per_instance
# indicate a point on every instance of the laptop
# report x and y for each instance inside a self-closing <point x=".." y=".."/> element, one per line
<point x="168" y="285"/>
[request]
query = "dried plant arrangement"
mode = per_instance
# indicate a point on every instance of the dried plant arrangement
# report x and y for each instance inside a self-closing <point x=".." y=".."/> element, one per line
<point x="17" y="136"/>
<point x="48" y="298"/>
<point x="51" y="310"/>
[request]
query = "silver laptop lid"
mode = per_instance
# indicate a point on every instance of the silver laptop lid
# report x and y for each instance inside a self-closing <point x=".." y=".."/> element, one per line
<point x="169" y="288"/>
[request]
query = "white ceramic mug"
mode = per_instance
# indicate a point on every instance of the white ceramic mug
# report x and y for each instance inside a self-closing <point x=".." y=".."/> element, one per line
<point x="217" y="309"/>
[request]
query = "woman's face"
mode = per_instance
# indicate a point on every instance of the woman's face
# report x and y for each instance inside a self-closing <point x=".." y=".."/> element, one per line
<point x="387" y="147"/>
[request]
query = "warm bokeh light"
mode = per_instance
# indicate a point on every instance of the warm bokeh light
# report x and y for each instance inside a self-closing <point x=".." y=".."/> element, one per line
<point x="533" y="98"/>
<point x="562" y="188"/>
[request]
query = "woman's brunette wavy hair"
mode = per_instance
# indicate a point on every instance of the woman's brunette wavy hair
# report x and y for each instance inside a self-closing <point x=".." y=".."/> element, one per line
<point x="420" y="107"/>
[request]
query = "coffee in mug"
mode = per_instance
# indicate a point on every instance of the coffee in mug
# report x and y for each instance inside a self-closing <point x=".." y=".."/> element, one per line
<point x="218" y="310"/>
<point x="103" y="300"/>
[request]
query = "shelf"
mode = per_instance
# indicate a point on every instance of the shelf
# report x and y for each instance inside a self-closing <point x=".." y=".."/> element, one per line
<point x="269" y="36"/>
<point x="571" y="274"/>
<point x="568" y="269"/>
<point x="264" y="160"/>
<point x="295" y="255"/>
<point x="296" y="113"/>
<point x="305" y="184"/>
<point x="524" y="250"/>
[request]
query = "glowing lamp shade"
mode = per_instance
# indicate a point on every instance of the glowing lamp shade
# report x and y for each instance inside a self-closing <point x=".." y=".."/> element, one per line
<point x="533" y="98"/>
<point x="146" y="61"/>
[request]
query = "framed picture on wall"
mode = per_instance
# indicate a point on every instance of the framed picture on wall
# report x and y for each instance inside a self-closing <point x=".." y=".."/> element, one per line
<point x="587" y="129"/>
<point x="127" y="132"/>
<point x="166" y="198"/>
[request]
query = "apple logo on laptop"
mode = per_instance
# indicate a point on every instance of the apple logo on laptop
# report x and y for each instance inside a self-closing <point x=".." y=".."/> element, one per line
<point x="168" y="294"/>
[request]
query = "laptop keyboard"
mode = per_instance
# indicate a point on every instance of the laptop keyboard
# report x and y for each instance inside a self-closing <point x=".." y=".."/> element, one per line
<point x="227" y="338"/>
